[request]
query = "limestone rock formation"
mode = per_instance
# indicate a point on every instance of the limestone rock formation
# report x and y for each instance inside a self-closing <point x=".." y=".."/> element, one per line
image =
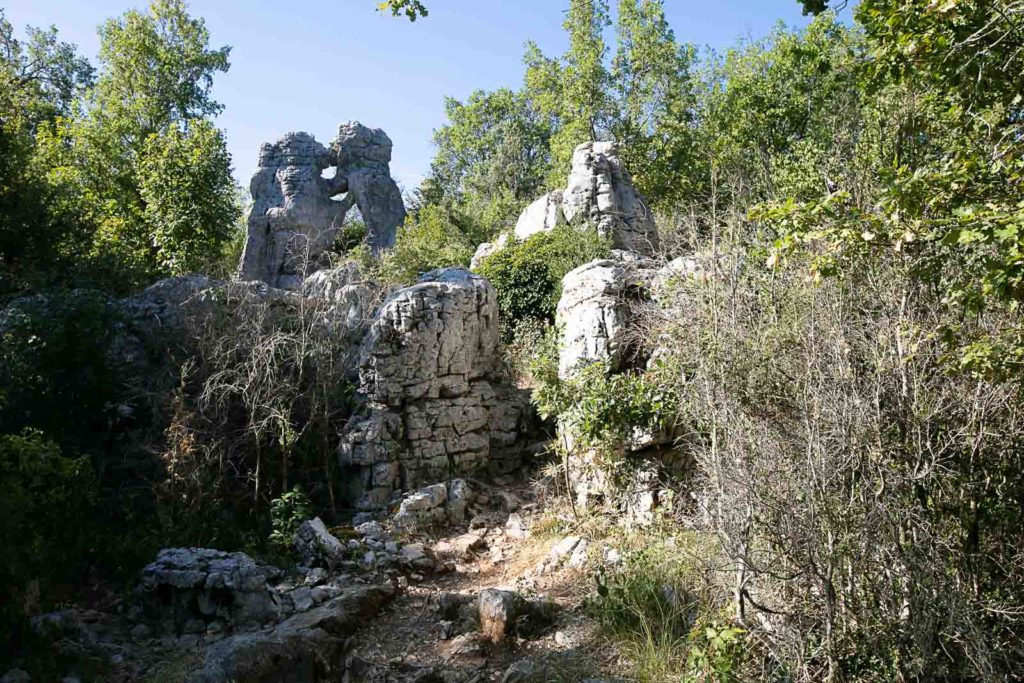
<point x="296" y="212"/>
<point x="599" y="196"/>
<point x="543" y="215"/>
<point x="431" y="408"/>
<point x="305" y="648"/>
<point x="186" y="589"/>
<point x="601" y="193"/>
<point x="596" y="308"/>
<point x="292" y="219"/>
<point x="363" y="156"/>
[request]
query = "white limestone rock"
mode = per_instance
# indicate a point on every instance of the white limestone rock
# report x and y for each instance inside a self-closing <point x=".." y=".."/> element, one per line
<point x="292" y="219"/>
<point x="543" y="215"/>
<point x="363" y="156"/>
<point x="601" y="193"/>
<point x="595" y="309"/>
<point x="431" y="340"/>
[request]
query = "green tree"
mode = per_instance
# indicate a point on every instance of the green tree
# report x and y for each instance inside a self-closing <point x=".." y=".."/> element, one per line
<point x="654" y="112"/>
<point x="150" y="109"/>
<point x="948" y="200"/>
<point x="574" y="90"/>
<point x="412" y="9"/>
<point x="40" y="78"/>
<point x="185" y="184"/>
<point x="491" y="158"/>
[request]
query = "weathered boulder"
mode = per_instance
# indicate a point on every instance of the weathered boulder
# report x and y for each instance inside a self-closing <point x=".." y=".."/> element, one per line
<point x="307" y="648"/>
<point x="186" y="589"/>
<point x="431" y="340"/>
<point x="601" y="193"/>
<point x="596" y="309"/>
<point x="504" y="612"/>
<point x="497" y="612"/>
<point x="599" y="196"/>
<point x="543" y="215"/>
<point x="433" y="408"/>
<point x="434" y="505"/>
<point x="363" y="157"/>
<point x="316" y="546"/>
<point x="292" y="219"/>
<point x="486" y="249"/>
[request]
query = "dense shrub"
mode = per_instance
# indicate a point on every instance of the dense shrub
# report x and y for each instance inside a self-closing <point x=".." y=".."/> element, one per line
<point x="427" y="241"/>
<point x="57" y="370"/>
<point x="47" y="527"/>
<point x="867" y="492"/>
<point x="263" y="388"/>
<point x="528" y="275"/>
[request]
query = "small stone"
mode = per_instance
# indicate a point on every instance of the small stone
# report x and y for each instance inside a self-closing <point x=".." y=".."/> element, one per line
<point x="522" y="671"/>
<point x="565" y="547"/>
<point x="316" y="576"/>
<point x="514" y="527"/>
<point x="415" y="555"/>
<point x="497" y="613"/>
<point x="488" y="520"/>
<point x="391" y="547"/>
<point x="140" y="632"/>
<point x="416" y="577"/>
<point x="509" y="501"/>
<point x="461" y="547"/>
<point x="316" y="545"/>
<point x="372" y="530"/>
<point x="578" y="559"/>
<point x="16" y="676"/>
<point x="302" y="598"/>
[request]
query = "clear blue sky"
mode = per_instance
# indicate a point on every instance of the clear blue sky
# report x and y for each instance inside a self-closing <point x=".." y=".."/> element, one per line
<point x="309" y="65"/>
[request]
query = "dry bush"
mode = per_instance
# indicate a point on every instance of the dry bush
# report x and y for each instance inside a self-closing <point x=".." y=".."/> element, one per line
<point x="267" y="386"/>
<point x="866" y="493"/>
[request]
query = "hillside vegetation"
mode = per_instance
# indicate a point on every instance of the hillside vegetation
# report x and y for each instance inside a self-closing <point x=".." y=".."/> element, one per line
<point x="843" y="486"/>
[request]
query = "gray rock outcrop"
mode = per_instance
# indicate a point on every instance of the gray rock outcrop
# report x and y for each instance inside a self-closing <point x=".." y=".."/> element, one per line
<point x="599" y="196"/>
<point x="596" y="309"/>
<point x="432" y="407"/>
<point x="601" y="193"/>
<point x="186" y="589"/>
<point x="306" y="648"/>
<point x="543" y="215"/>
<point x="292" y="219"/>
<point x="296" y="212"/>
<point x="363" y="156"/>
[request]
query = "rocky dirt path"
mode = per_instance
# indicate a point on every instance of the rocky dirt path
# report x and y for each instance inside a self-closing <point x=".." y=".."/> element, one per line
<point x="415" y="638"/>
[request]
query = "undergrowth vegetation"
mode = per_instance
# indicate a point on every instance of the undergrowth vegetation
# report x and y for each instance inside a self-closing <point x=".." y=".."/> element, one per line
<point x="839" y="379"/>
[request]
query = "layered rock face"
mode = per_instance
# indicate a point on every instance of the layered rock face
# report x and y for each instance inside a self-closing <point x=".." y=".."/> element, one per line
<point x="363" y="156"/>
<point x="433" y="409"/>
<point x="296" y="212"/>
<point x="596" y="309"/>
<point x="601" y="192"/>
<point x="599" y="196"/>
